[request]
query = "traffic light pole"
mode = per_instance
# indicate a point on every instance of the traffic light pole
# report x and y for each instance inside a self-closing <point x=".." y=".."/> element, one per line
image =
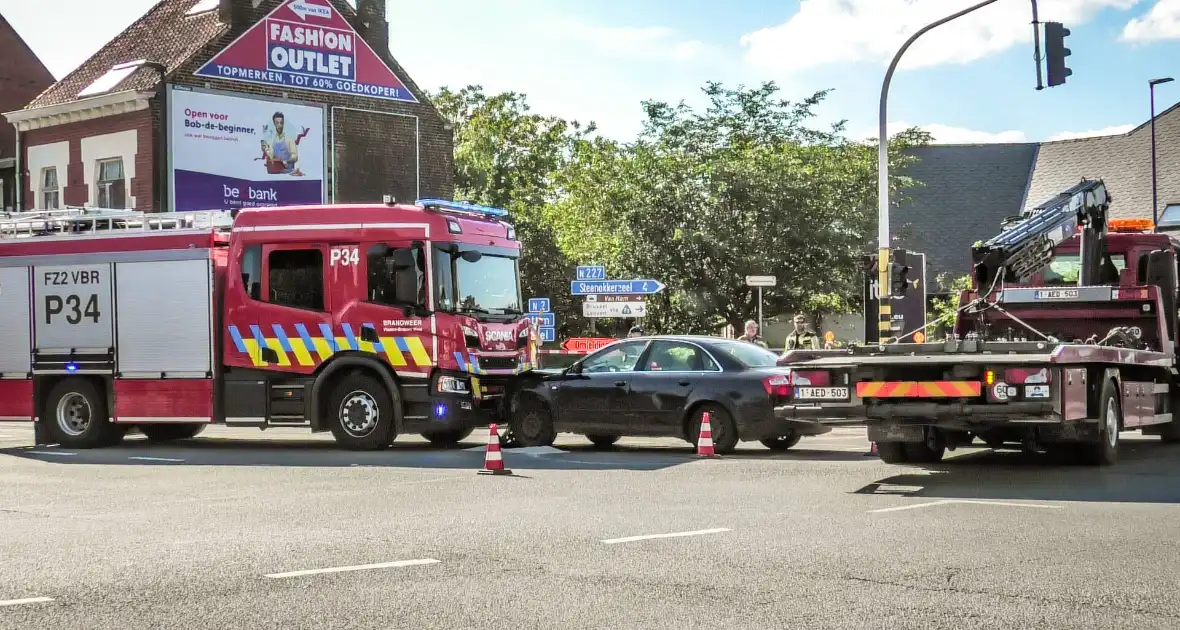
<point x="885" y="308"/>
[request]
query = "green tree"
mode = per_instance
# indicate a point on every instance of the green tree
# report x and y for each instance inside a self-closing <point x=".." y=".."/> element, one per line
<point x="509" y="157"/>
<point x="945" y="309"/>
<point x="704" y="198"/>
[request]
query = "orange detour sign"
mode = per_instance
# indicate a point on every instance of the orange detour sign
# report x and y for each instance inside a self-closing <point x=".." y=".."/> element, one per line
<point x="585" y="345"/>
<point x="829" y="336"/>
<point x="919" y="337"/>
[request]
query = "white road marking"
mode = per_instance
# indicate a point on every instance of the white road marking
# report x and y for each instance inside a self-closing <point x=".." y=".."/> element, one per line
<point x="55" y="453"/>
<point x="358" y="567"/>
<point x="968" y="501"/>
<point x="155" y="459"/>
<point x="29" y="600"/>
<point x="699" y="532"/>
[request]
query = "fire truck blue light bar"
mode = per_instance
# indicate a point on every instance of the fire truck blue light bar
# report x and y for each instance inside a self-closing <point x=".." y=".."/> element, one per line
<point x="460" y="206"/>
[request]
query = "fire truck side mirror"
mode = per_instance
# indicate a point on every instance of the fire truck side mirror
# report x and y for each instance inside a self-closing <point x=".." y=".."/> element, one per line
<point x="471" y="256"/>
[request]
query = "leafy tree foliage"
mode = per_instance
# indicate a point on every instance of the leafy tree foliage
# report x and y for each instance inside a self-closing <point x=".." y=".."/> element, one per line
<point x="699" y="200"/>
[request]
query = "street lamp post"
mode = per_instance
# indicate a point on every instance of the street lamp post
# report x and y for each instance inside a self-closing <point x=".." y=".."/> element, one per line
<point x="1155" y="218"/>
<point x="885" y="308"/>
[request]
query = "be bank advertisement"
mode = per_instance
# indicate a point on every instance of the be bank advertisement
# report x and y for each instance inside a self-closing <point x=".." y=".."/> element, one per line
<point x="232" y="152"/>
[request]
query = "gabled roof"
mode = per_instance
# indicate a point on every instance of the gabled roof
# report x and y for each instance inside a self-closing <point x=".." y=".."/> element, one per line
<point x="965" y="191"/>
<point x="1123" y="161"/>
<point x="22" y="78"/>
<point x="164" y="35"/>
<point x="168" y="35"/>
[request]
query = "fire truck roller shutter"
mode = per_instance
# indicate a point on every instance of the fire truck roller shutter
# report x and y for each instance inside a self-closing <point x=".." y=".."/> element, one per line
<point x="165" y="314"/>
<point x="16" y="391"/>
<point x="296" y="345"/>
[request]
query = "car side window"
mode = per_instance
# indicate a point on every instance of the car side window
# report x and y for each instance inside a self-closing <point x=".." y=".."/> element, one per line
<point x="618" y="358"/>
<point x="675" y="356"/>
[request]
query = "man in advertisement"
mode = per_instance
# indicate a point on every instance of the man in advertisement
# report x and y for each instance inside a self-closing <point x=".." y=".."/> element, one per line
<point x="280" y="152"/>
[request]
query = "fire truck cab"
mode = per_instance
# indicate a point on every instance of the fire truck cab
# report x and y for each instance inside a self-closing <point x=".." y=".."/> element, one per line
<point x="368" y="321"/>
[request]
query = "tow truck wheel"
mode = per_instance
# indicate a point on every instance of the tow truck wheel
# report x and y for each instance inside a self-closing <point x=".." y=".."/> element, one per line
<point x="782" y="442"/>
<point x="532" y="424"/>
<point x="1105" y="451"/>
<point x="78" y="415"/>
<point x="893" y="452"/>
<point x="169" y="432"/>
<point x="447" y="438"/>
<point x="603" y="441"/>
<point x="360" y="412"/>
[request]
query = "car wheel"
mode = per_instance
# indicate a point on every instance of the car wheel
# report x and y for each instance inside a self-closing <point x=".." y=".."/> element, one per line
<point x="169" y="432"/>
<point x="782" y="442"/>
<point x="724" y="430"/>
<point x="1105" y="451"/>
<point x="78" y="416"/>
<point x="532" y="424"/>
<point x="893" y="452"/>
<point x="447" y="439"/>
<point x="361" y="413"/>
<point x="603" y="441"/>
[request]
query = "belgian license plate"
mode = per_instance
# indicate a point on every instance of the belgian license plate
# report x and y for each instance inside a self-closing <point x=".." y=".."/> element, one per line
<point x="1036" y="391"/>
<point x="821" y="393"/>
<point x="1055" y="294"/>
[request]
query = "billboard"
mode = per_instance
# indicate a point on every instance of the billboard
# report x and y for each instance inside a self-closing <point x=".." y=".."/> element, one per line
<point x="908" y="312"/>
<point x="233" y="152"/>
<point x="307" y="44"/>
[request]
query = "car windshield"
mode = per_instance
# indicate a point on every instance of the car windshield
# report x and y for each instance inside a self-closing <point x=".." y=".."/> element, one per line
<point x="487" y="286"/>
<point x="748" y="354"/>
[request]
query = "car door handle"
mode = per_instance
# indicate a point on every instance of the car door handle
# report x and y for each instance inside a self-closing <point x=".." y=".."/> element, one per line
<point x="685" y="383"/>
<point x="620" y="383"/>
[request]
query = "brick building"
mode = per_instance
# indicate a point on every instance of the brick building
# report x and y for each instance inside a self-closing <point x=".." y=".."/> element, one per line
<point x="22" y="78"/>
<point x="204" y="104"/>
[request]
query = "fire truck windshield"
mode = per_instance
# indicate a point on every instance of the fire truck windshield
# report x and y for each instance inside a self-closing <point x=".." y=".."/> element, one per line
<point x="481" y="281"/>
<point x="1065" y="268"/>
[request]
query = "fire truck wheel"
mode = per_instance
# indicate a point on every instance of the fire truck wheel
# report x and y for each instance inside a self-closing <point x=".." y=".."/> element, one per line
<point x="532" y="424"/>
<point x="893" y="452"/>
<point x="447" y="438"/>
<point x="782" y="442"/>
<point x="78" y="415"/>
<point x="169" y="432"/>
<point x="1105" y="450"/>
<point x="360" y="412"/>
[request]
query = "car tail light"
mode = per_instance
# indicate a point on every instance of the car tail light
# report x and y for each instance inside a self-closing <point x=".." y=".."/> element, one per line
<point x="780" y="385"/>
<point x="811" y="377"/>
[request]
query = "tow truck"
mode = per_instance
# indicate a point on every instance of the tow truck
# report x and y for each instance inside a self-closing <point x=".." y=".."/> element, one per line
<point x="368" y="321"/>
<point x="1066" y="338"/>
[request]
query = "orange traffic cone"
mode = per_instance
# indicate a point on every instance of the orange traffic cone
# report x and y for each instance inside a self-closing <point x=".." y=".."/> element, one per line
<point x="493" y="461"/>
<point x="705" y="441"/>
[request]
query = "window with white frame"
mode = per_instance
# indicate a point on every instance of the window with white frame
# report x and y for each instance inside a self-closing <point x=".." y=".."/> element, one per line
<point x="50" y="192"/>
<point x="112" y="191"/>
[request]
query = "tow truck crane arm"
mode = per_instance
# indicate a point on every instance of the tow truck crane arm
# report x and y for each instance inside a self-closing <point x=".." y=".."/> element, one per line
<point x="1025" y="246"/>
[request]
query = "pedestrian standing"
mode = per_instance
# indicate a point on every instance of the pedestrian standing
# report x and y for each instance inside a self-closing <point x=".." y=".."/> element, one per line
<point x="802" y="337"/>
<point x="751" y="334"/>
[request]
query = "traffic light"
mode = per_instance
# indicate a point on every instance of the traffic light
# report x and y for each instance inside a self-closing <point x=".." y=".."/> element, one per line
<point x="898" y="270"/>
<point x="1056" y="52"/>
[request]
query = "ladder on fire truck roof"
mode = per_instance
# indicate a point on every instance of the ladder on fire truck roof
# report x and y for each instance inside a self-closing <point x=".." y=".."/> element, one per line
<point x="74" y="220"/>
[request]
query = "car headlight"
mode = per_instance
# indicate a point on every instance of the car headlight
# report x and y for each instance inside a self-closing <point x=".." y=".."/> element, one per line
<point x="452" y="385"/>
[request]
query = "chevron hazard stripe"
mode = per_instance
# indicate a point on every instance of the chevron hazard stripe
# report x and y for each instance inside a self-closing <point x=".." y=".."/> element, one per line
<point x="919" y="389"/>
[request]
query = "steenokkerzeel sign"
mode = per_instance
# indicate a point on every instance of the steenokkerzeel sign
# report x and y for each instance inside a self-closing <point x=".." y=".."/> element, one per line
<point x="307" y="44"/>
<point x="233" y="152"/>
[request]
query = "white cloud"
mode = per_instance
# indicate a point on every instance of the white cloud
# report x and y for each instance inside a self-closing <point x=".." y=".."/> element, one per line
<point x="651" y="42"/>
<point x="1161" y="22"/>
<point x="840" y="31"/>
<point x="946" y="134"/>
<point x="1105" y="131"/>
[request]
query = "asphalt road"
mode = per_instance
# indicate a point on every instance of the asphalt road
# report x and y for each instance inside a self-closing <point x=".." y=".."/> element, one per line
<point x="254" y="533"/>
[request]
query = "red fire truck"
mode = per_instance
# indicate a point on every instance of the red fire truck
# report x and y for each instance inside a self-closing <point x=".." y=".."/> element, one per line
<point x="368" y="321"/>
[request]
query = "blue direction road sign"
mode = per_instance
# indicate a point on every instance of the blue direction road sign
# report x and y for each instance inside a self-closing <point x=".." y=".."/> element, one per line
<point x="548" y="334"/>
<point x="609" y="287"/>
<point x="538" y="305"/>
<point x="591" y="272"/>
<point x="544" y="320"/>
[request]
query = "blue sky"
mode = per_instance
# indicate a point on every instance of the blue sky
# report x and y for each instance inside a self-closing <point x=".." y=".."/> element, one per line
<point x="969" y="81"/>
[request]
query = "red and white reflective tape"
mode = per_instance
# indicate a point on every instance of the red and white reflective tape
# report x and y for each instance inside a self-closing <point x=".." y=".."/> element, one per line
<point x="564" y="351"/>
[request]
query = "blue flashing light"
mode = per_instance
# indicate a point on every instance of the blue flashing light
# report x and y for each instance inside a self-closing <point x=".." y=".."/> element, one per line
<point x="440" y="409"/>
<point x="71" y="367"/>
<point x="460" y="206"/>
